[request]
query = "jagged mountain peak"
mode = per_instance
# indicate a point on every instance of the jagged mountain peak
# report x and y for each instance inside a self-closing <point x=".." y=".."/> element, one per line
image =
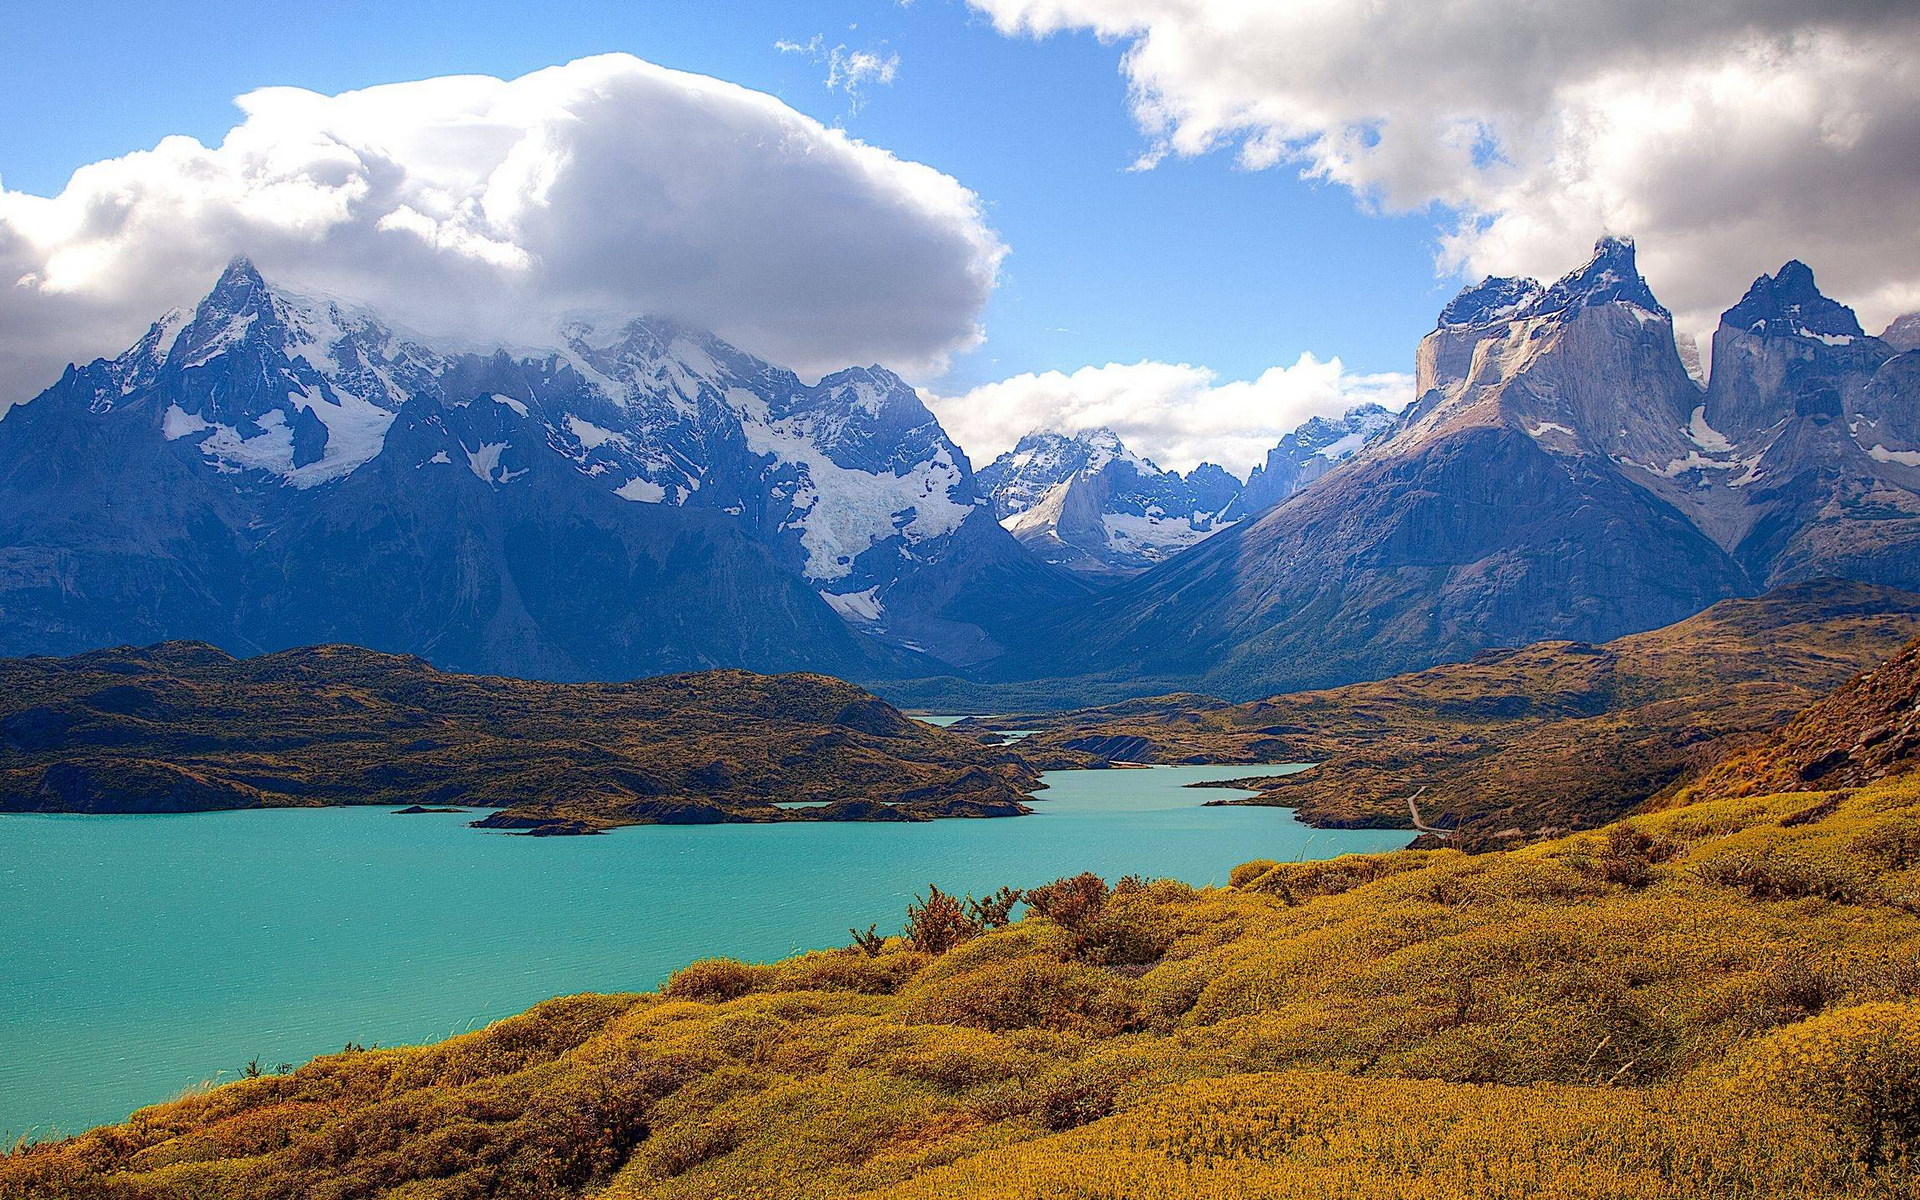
<point x="1495" y="298"/>
<point x="277" y="408"/>
<point x="1611" y="275"/>
<point x="1083" y="500"/>
<point x="1789" y="302"/>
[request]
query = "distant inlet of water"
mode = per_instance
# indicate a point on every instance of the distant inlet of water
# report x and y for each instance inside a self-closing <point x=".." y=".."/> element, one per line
<point x="145" y="954"/>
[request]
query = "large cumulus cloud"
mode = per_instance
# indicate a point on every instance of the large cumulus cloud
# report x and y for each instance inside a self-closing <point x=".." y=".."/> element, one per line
<point x="1176" y="414"/>
<point x="489" y="207"/>
<point x="1726" y="135"/>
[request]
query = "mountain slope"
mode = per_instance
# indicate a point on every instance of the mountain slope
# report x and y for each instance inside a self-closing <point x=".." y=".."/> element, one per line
<point x="1560" y="475"/>
<point x="253" y="473"/>
<point x="1518" y="744"/>
<point x="1864" y="732"/>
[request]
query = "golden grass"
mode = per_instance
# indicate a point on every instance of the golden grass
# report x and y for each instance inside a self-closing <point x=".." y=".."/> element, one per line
<point x="1616" y="1014"/>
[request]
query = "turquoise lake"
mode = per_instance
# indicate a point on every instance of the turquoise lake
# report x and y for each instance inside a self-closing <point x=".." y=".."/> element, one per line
<point x="140" y="956"/>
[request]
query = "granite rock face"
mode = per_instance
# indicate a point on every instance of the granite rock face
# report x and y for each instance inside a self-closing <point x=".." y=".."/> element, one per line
<point x="1560" y="475"/>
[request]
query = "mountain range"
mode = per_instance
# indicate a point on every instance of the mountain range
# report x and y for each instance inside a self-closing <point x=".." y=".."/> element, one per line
<point x="1087" y="503"/>
<point x="273" y="469"/>
<point x="1560" y="475"/>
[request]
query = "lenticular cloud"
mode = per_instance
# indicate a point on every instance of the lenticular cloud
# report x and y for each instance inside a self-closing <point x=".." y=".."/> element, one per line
<point x="490" y="208"/>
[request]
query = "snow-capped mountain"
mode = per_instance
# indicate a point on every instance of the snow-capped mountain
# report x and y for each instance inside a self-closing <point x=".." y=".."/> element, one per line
<point x="1086" y="502"/>
<point x="1560" y="475"/>
<point x="1316" y="447"/>
<point x="591" y="485"/>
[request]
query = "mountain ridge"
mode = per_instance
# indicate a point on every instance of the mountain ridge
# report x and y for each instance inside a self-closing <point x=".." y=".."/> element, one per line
<point x="1560" y="474"/>
<point x="653" y="447"/>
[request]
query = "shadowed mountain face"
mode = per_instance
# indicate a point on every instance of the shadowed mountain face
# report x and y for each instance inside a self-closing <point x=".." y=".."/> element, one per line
<point x="1561" y="475"/>
<point x="274" y="470"/>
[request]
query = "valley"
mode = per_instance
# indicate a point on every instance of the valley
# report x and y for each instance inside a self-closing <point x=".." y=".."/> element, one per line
<point x="997" y="600"/>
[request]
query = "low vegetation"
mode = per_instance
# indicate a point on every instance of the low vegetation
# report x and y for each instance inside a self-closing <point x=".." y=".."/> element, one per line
<point x="1524" y="744"/>
<point x="184" y="727"/>
<point x="1720" y="999"/>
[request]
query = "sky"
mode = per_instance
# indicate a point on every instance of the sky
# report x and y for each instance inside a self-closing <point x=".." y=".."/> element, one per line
<point x="1198" y="221"/>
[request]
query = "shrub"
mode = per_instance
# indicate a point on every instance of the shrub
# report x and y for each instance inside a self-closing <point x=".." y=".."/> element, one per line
<point x="1297" y="883"/>
<point x="1628" y="855"/>
<point x="1859" y="1066"/>
<point x="1071" y="903"/>
<point x="1247" y="872"/>
<point x="938" y="923"/>
<point x="716" y="980"/>
<point x="996" y="911"/>
<point x="1770" y="875"/>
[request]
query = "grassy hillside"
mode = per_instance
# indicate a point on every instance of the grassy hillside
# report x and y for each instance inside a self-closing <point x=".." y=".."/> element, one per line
<point x="182" y="726"/>
<point x="1523" y="744"/>
<point x="1718" y="1000"/>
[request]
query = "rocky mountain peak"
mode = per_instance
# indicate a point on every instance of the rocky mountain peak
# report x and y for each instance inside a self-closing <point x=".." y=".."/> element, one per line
<point x="1903" y="332"/>
<point x="1789" y="303"/>
<point x="1495" y="298"/>
<point x="1610" y="276"/>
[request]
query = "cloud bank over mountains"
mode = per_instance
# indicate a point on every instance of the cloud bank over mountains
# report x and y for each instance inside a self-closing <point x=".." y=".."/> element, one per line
<point x="1173" y="413"/>
<point x="1727" y="136"/>
<point x="489" y="207"/>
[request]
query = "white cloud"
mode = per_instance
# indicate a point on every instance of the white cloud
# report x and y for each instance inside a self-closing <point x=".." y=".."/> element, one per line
<point x="489" y="206"/>
<point x="848" y="70"/>
<point x="1726" y="135"/>
<point x="1175" y="414"/>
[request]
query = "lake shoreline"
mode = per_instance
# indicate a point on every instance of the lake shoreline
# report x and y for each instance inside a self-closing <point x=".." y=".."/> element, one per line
<point x="149" y="953"/>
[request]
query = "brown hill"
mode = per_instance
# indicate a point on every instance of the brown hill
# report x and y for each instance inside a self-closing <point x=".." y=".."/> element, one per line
<point x="1867" y="730"/>
<point x="182" y="726"/>
<point x="1521" y="743"/>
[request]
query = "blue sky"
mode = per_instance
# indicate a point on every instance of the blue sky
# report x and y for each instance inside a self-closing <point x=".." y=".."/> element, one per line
<point x="1195" y="261"/>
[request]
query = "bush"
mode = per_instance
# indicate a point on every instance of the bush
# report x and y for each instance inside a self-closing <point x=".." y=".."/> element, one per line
<point x="1769" y="875"/>
<point x="716" y="980"/>
<point x="938" y="923"/>
<point x="1297" y="883"/>
<point x="1858" y="1066"/>
<point x="996" y="911"/>
<point x="1627" y="856"/>
<point x="1071" y="903"/>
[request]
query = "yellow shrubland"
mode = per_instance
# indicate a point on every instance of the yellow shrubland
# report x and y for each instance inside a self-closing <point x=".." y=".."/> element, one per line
<point x="1716" y="1000"/>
